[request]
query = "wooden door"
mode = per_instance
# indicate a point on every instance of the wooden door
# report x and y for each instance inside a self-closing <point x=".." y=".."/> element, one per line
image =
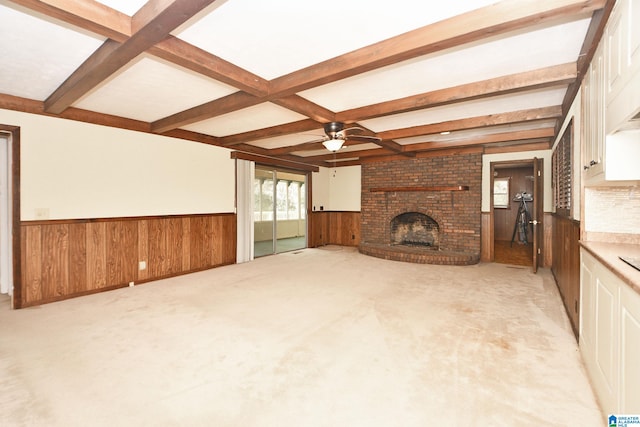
<point x="537" y="211"/>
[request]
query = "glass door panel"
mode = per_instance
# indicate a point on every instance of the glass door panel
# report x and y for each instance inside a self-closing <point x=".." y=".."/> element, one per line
<point x="279" y="216"/>
<point x="264" y="212"/>
<point x="291" y="223"/>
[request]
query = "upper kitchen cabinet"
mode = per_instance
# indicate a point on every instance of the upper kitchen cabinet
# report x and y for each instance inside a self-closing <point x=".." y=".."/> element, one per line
<point x="622" y="47"/>
<point x="594" y="111"/>
<point x="611" y="101"/>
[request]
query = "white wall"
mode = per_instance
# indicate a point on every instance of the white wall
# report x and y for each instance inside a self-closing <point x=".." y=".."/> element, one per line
<point x="486" y="174"/>
<point x="337" y="189"/>
<point x="71" y="170"/>
<point x="320" y="189"/>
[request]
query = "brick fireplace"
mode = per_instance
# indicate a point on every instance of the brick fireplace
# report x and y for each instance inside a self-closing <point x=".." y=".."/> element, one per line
<point x="423" y="210"/>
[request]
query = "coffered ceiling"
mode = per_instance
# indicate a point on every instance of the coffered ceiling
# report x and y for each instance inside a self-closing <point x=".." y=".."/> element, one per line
<point x="263" y="77"/>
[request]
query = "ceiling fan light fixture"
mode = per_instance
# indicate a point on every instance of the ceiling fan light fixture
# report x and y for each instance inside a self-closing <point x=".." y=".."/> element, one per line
<point x="333" y="144"/>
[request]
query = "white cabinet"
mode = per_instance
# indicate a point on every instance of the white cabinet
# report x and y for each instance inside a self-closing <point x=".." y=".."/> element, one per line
<point x="622" y="47"/>
<point x="629" y="351"/>
<point x="610" y="336"/>
<point x="593" y="98"/>
<point x="610" y="96"/>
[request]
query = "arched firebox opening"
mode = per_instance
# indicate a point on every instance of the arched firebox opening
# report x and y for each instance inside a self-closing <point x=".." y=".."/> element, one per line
<point x="415" y="229"/>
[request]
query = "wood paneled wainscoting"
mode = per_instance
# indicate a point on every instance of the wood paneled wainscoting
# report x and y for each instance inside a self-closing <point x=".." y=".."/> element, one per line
<point x="334" y="228"/>
<point x="566" y="265"/>
<point x="66" y="258"/>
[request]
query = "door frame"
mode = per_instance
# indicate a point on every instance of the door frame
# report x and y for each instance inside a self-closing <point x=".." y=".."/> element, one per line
<point x="14" y="200"/>
<point x="273" y="167"/>
<point x="537" y="209"/>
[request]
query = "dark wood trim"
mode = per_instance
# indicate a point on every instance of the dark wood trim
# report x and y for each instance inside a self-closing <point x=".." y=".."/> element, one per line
<point x="14" y="140"/>
<point x="272" y="161"/>
<point x="123" y="218"/>
<point x="226" y="104"/>
<point x="513" y="117"/>
<point x="405" y="189"/>
<point x="92" y="16"/>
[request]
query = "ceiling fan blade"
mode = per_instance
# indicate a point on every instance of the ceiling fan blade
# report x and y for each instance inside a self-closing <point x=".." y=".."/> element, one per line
<point x="358" y="128"/>
<point x="323" y="139"/>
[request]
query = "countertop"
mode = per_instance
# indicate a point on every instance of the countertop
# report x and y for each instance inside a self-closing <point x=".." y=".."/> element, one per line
<point x="608" y="253"/>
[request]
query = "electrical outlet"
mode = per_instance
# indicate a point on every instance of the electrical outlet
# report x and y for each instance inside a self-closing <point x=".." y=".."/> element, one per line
<point x="142" y="265"/>
<point x="131" y="284"/>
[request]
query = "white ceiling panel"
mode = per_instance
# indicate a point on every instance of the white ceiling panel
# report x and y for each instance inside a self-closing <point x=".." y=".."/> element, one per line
<point x="150" y="89"/>
<point x="481" y="107"/>
<point x="130" y="7"/>
<point x="516" y="53"/>
<point x="274" y="38"/>
<point x="245" y="120"/>
<point x="38" y="54"/>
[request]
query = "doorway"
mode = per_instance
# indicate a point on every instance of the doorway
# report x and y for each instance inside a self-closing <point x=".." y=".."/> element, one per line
<point x="515" y="211"/>
<point x="279" y="211"/>
<point x="6" y="285"/>
<point x="10" y="283"/>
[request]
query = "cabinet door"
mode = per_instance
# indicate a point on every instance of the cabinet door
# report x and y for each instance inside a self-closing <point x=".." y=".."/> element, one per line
<point x="634" y="36"/>
<point x="587" y="305"/>
<point x="616" y="57"/>
<point x="629" y="351"/>
<point x="587" y="151"/>
<point x="606" y="345"/>
<point x="595" y="162"/>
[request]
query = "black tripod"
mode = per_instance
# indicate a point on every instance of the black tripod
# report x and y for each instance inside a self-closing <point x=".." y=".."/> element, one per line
<point x="523" y="219"/>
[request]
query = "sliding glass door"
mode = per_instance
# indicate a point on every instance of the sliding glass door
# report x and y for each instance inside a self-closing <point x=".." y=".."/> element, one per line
<point x="279" y="211"/>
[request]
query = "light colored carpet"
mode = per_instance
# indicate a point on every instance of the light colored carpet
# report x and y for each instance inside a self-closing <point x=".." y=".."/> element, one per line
<point x="321" y="337"/>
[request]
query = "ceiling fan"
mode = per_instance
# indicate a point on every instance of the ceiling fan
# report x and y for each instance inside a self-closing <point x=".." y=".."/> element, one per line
<point x="337" y="135"/>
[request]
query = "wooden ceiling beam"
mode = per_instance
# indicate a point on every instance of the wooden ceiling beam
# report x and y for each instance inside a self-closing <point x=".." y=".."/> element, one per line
<point x="532" y="115"/>
<point x="545" y="77"/>
<point x="110" y="23"/>
<point x="485" y="139"/>
<point x="307" y="125"/>
<point x="150" y="25"/>
<point x="89" y="15"/>
<point x="306" y="108"/>
<point x="469" y="27"/>
<point x="226" y="104"/>
<point x="594" y="34"/>
<point x="202" y="62"/>
<point x="532" y="146"/>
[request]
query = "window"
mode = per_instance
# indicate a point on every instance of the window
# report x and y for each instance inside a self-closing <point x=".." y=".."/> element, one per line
<point x="562" y="166"/>
<point x="501" y="192"/>
<point x="289" y="197"/>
